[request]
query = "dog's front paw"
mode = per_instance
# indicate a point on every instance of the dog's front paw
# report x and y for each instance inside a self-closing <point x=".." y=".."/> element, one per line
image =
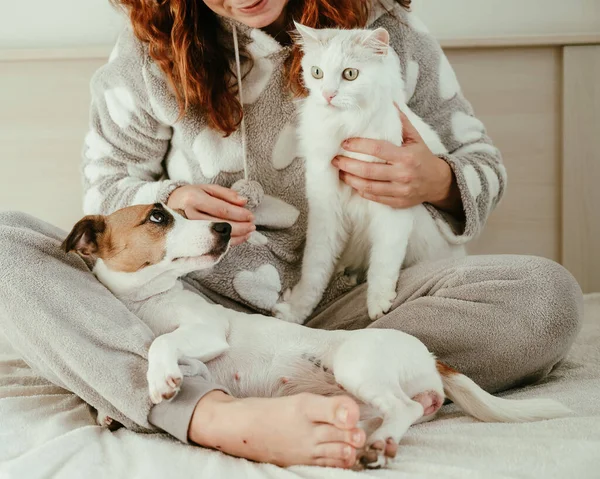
<point x="286" y="312"/>
<point x="163" y="382"/>
<point x="376" y="455"/>
<point x="379" y="303"/>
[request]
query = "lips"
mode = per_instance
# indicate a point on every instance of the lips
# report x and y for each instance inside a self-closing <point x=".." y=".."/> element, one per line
<point x="253" y="7"/>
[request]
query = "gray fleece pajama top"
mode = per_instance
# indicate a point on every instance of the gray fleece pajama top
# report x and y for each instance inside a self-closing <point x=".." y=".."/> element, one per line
<point x="138" y="152"/>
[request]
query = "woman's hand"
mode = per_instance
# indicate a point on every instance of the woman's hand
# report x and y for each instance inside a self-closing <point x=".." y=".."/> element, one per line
<point x="215" y="203"/>
<point x="410" y="176"/>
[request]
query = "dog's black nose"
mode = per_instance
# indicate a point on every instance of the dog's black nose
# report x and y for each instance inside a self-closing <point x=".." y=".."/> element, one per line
<point x="222" y="229"/>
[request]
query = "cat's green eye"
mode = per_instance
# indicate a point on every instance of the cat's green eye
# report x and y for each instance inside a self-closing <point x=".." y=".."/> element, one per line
<point x="316" y="73"/>
<point x="350" y="74"/>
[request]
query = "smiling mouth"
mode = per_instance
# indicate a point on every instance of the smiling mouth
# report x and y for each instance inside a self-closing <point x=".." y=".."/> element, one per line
<point x="252" y="7"/>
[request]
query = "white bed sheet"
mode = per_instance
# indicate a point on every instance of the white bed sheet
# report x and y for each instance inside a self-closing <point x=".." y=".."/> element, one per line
<point x="47" y="432"/>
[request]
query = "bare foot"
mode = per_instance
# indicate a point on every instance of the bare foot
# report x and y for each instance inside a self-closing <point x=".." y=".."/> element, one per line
<point x="302" y="429"/>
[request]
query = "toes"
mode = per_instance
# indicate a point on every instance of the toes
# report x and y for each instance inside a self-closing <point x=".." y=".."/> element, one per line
<point x="336" y="451"/>
<point x="326" y="462"/>
<point x="326" y="433"/>
<point x="341" y="411"/>
<point x="391" y="448"/>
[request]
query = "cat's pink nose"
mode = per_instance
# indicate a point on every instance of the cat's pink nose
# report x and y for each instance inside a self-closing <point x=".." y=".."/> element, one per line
<point x="329" y="95"/>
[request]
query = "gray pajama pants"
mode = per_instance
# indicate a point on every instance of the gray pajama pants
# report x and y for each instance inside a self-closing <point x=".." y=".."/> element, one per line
<point x="502" y="320"/>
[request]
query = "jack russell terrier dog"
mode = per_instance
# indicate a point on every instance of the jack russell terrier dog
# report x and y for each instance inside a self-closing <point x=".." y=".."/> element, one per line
<point x="140" y="252"/>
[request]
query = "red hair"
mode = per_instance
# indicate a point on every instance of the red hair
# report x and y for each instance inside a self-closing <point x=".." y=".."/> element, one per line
<point x="185" y="39"/>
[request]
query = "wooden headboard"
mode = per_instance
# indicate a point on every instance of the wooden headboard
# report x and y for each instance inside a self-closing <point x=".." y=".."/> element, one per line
<point x="539" y="97"/>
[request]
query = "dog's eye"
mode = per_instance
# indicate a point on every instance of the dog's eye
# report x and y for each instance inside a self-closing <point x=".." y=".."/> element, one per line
<point x="350" y="74"/>
<point x="157" y="217"/>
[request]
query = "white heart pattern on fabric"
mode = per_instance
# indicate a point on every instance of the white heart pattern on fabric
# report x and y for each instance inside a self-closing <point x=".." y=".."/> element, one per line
<point x="286" y="147"/>
<point x="260" y="288"/>
<point x="275" y="213"/>
<point x="216" y="154"/>
<point x="121" y="106"/>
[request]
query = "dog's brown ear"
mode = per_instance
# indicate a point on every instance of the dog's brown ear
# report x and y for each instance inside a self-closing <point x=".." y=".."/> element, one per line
<point x="83" y="238"/>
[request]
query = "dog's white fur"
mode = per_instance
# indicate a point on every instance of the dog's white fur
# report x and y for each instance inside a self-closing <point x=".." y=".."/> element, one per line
<point x="343" y="228"/>
<point x="260" y="356"/>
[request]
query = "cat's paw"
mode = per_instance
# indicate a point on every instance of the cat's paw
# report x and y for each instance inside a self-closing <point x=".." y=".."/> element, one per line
<point x="379" y="303"/>
<point x="286" y="312"/>
<point x="164" y="382"/>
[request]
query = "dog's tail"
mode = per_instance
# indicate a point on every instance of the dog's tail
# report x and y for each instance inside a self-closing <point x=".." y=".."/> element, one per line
<point x="485" y="407"/>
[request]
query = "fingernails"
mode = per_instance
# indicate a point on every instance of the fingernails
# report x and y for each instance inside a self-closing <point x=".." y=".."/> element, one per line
<point x="253" y="228"/>
<point x="345" y="144"/>
<point x="250" y="217"/>
<point x="356" y="437"/>
<point x="335" y="162"/>
<point x="342" y="414"/>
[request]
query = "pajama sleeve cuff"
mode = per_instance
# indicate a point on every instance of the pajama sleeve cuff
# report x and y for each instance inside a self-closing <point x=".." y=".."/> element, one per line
<point x="174" y="416"/>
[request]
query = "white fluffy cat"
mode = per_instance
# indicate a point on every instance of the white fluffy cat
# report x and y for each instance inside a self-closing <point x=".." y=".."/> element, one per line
<point x="353" y="78"/>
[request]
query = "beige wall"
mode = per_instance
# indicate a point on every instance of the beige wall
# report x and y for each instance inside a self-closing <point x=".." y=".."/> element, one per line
<point x="540" y="104"/>
<point x="67" y="23"/>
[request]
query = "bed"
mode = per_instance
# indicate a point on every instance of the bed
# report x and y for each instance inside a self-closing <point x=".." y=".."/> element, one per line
<point x="540" y="99"/>
<point x="47" y="432"/>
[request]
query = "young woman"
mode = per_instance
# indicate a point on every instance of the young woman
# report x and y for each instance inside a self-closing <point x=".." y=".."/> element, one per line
<point x="165" y="127"/>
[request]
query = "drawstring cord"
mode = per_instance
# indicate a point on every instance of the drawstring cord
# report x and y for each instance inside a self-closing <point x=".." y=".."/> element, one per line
<point x="241" y="98"/>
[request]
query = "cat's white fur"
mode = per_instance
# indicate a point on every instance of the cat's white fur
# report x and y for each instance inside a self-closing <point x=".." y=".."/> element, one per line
<point x="345" y="229"/>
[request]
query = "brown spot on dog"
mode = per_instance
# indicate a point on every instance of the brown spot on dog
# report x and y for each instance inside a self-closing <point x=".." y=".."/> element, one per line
<point x="237" y="376"/>
<point x="127" y="240"/>
<point x="245" y="442"/>
<point x="445" y="370"/>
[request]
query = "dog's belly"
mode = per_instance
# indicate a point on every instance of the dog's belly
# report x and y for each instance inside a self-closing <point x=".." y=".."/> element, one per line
<point x="267" y="354"/>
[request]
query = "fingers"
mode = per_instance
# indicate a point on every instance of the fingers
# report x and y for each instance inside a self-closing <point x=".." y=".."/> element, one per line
<point x="409" y="132"/>
<point x="224" y="210"/>
<point x="393" y="201"/>
<point x="226" y="194"/>
<point x="364" y="169"/>
<point x="238" y="229"/>
<point x="237" y="240"/>
<point x="339" y="411"/>
<point x="379" y="188"/>
<point x="384" y="150"/>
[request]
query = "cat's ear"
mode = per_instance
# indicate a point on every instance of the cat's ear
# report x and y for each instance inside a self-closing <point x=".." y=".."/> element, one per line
<point x="305" y="35"/>
<point x="378" y="40"/>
